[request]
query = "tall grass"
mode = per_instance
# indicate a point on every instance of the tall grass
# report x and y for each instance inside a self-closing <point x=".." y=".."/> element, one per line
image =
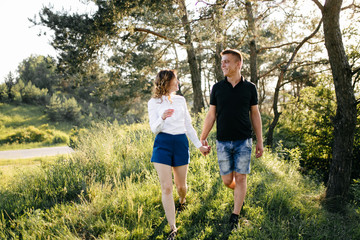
<point x="109" y="189"/>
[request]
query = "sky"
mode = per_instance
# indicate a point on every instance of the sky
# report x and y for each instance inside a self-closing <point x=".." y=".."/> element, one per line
<point x="19" y="39"/>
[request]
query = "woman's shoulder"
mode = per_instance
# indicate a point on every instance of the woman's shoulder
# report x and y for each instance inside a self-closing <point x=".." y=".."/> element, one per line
<point x="178" y="97"/>
<point x="154" y="101"/>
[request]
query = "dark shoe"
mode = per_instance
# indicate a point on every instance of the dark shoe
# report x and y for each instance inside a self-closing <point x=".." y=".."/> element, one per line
<point x="181" y="207"/>
<point x="234" y="221"/>
<point x="172" y="234"/>
<point x="242" y="207"/>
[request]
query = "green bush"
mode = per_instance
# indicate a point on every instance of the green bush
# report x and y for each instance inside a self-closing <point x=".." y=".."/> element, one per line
<point x="4" y="96"/>
<point x="75" y="135"/>
<point x="17" y="91"/>
<point x="355" y="191"/>
<point x="32" y="134"/>
<point x="61" y="108"/>
<point x="32" y="94"/>
<point x="28" y="93"/>
<point x="27" y="135"/>
<point x="306" y="124"/>
<point x="59" y="137"/>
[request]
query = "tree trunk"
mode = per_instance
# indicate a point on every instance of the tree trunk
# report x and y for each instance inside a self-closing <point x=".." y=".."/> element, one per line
<point x="253" y="50"/>
<point x="270" y="133"/>
<point x="218" y="72"/>
<point x="219" y="39"/>
<point x="194" y="69"/>
<point x="345" y="119"/>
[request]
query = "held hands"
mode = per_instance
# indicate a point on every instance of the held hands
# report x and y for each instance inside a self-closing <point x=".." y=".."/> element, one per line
<point x="167" y="113"/>
<point x="205" y="148"/>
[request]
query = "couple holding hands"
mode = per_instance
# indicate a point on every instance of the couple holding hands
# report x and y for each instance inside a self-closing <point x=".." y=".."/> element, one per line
<point x="233" y="105"/>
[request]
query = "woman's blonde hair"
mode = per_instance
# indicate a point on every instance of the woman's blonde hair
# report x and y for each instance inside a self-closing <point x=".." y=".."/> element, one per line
<point x="162" y="83"/>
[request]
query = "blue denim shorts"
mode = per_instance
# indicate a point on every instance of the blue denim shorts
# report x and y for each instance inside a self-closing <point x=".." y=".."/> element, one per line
<point x="234" y="156"/>
<point x="172" y="150"/>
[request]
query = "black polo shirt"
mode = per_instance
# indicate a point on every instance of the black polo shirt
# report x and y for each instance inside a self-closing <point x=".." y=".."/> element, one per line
<point x="232" y="109"/>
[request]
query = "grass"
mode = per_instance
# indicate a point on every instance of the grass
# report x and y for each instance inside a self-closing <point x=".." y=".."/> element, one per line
<point x="109" y="189"/>
<point x="15" y="117"/>
<point x="17" y="146"/>
<point x="28" y="161"/>
<point x="10" y="168"/>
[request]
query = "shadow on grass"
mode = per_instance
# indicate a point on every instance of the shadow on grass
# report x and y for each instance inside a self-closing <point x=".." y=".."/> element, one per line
<point x="291" y="209"/>
<point x="159" y="230"/>
<point x="196" y="228"/>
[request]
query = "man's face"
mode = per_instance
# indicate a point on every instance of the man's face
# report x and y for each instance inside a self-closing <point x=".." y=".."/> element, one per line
<point x="230" y="65"/>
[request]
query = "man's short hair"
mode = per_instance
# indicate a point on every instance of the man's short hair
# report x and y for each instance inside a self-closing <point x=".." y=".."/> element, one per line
<point x="233" y="52"/>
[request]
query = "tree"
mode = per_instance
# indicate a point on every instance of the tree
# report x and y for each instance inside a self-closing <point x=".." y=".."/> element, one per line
<point x="81" y="38"/>
<point x="194" y="68"/>
<point x="39" y="70"/>
<point x="345" y="119"/>
<point x="10" y="82"/>
<point x="280" y="83"/>
<point x="252" y="36"/>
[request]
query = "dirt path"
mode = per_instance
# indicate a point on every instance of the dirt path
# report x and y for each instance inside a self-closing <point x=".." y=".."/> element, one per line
<point x="35" y="152"/>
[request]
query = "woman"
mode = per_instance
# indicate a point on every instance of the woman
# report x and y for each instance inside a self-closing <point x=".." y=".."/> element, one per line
<point x="170" y="120"/>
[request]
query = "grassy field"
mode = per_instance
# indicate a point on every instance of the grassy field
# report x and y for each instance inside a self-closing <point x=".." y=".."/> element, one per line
<point x="109" y="189"/>
<point x="10" y="168"/>
<point x="14" y="118"/>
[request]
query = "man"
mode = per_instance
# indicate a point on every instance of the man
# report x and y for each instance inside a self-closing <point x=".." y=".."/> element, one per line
<point x="233" y="103"/>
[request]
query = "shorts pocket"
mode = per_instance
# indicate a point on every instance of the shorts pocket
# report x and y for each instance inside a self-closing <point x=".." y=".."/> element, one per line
<point x="249" y="143"/>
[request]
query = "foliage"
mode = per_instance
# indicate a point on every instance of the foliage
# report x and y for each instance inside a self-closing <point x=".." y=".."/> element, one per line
<point x="29" y="134"/>
<point x="109" y="190"/>
<point x="3" y="92"/>
<point x="28" y="93"/>
<point x="40" y="71"/>
<point x="61" y="108"/>
<point x="9" y="82"/>
<point x="32" y="134"/>
<point x="307" y="124"/>
<point x="18" y="119"/>
<point x="355" y="191"/>
<point x="96" y="30"/>
<point x="75" y="135"/>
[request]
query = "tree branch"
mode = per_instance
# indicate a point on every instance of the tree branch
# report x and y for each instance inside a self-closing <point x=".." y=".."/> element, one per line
<point x="136" y="29"/>
<point x="355" y="71"/>
<point x="271" y="70"/>
<point x="278" y="46"/>
<point x="319" y="4"/>
<point x="223" y="4"/>
<point x="302" y="43"/>
<point x="350" y="6"/>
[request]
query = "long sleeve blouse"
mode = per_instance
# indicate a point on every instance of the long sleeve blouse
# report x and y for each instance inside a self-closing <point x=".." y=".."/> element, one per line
<point x="178" y="123"/>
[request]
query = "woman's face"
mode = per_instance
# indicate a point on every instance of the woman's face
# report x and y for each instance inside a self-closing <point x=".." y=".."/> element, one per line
<point x="174" y="85"/>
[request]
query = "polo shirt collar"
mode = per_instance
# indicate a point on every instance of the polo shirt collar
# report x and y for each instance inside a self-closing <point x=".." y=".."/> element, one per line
<point x="241" y="81"/>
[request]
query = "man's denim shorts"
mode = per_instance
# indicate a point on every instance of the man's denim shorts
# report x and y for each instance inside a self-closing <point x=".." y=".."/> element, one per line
<point x="234" y="156"/>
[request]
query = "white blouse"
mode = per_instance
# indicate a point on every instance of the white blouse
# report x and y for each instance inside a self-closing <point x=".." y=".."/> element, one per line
<point x="178" y="123"/>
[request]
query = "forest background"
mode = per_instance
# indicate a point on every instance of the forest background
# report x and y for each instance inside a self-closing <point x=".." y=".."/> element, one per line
<point x="107" y="60"/>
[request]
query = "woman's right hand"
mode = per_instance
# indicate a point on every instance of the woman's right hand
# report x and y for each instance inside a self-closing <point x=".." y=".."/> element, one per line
<point x="167" y="113"/>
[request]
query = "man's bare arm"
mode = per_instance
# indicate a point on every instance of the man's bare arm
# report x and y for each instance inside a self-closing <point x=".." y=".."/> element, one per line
<point x="257" y="125"/>
<point x="208" y="124"/>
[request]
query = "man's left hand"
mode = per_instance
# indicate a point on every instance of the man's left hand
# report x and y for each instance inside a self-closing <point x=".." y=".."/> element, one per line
<point x="259" y="149"/>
